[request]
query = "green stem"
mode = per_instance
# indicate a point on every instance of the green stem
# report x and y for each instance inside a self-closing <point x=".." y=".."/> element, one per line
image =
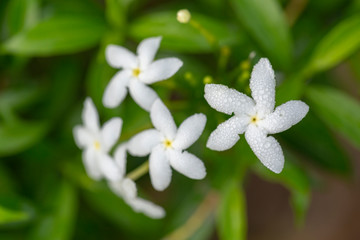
<point x="139" y="171"/>
<point x="209" y="36"/>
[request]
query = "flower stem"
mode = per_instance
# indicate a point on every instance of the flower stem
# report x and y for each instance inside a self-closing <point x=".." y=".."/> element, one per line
<point x="209" y="36"/>
<point x="205" y="209"/>
<point x="139" y="171"/>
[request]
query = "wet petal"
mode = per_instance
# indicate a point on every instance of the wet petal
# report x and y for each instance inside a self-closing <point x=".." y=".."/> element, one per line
<point x="285" y="116"/>
<point x="143" y="95"/>
<point x="162" y="119"/>
<point x="262" y="85"/>
<point x="115" y="91"/>
<point x="227" y="100"/>
<point x="227" y="133"/>
<point x="120" y="57"/>
<point x="143" y="143"/>
<point x="160" y="70"/>
<point x="159" y="169"/>
<point x="187" y="164"/>
<point x="189" y="131"/>
<point x="267" y="149"/>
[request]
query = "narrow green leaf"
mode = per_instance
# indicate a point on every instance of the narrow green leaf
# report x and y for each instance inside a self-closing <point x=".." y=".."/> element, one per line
<point x="8" y="216"/>
<point x="18" y="98"/>
<point x="58" y="224"/>
<point x="266" y="23"/>
<point x="342" y="41"/>
<point x="58" y="35"/>
<point x="338" y="110"/>
<point x="232" y="213"/>
<point x="116" y="12"/>
<point x="19" y="136"/>
<point x="182" y="37"/>
<point x="21" y="14"/>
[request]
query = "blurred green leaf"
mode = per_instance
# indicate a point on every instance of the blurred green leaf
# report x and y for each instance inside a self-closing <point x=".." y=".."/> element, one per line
<point x="342" y="41"/>
<point x="18" y="136"/>
<point x="116" y="12"/>
<point x="8" y="216"/>
<point x="267" y="25"/>
<point x="182" y="37"/>
<point x="18" y="98"/>
<point x="58" y="224"/>
<point x="57" y="35"/>
<point x="295" y="180"/>
<point x="232" y="213"/>
<point x="338" y="110"/>
<point x="292" y="88"/>
<point x="21" y="14"/>
<point x="320" y="148"/>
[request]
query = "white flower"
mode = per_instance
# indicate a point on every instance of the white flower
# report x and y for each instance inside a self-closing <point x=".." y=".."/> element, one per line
<point x="137" y="72"/>
<point x="256" y="117"/>
<point x="97" y="143"/>
<point x="126" y="189"/>
<point x="165" y="144"/>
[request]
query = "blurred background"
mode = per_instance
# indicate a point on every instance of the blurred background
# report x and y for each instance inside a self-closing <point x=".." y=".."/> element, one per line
<point x="52" y="57"/>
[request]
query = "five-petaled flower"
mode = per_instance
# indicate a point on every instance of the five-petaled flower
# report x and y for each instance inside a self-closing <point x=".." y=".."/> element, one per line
<point x="137" y="72"/>
<point x="126" y="189"/>
<point x="166" y="143"/>
<point x="97" y="142"/>
<point x="256" y="117"/>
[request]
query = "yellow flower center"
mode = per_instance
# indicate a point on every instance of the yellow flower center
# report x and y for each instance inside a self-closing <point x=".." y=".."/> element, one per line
<point x="97" y="145"/>
<point x="136" y="72"/>
<point x="167" y="143"/>
<point x="254" y="119"/>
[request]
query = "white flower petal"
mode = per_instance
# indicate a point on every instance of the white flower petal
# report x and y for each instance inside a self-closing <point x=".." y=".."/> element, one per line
<point x="143" y="95"/>
<point x="120" y="158"/>
<point x="146" y="207"/>
<point x="115" y="91"/>
<point x="142" y="143"/>
<point x="267" y="149"/>
<point x="227" y="100"/>
<point x="262" y="85"/>
<point x="82" y="136"/>
<point x="147" y="49"/>
<point x="285" y="116"/>
<point x="90" y="116"/>
<point x="227" y="133"/>
<point x="160" y="70"/>
<point x="189" y="131"/>
<point x="187" y="164"/>
<point x="125" y="188"/>
<point x="162" y="119"/>
<point x="108" y="167"/>
<point x="159" y="168"/>
<point x="120" y="57"/>
<point x="90" y="162"/>
<point x="110" y="133"/>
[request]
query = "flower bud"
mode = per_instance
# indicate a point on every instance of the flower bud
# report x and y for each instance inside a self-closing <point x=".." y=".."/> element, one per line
<point x="183" y="16"/>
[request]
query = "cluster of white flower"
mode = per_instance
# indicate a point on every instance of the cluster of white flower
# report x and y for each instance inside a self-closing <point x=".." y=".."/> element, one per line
<point x="165" y="143"/>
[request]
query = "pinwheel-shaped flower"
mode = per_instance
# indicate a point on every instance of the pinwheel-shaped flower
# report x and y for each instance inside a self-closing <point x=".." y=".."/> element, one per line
<point x="97" y="142"/>
<point x="165" y="144"/>
<point x="126" y="189"/>
<point x="256" y="117"/>
<point x="137" y="72"/>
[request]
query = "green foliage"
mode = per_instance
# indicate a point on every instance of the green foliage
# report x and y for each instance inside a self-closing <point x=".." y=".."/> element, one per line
<point x="52" y="56"/>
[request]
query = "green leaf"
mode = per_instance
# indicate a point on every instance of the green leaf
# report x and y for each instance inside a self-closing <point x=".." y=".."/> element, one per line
<point x="58" y="224"/>
<point x="294" y="179"/>
<point x="267" y="25"/>
<point x="342" y="41"/>
<point x="19" y="136"/>
<point x="8" y="216"/>
<point x="320" y="148"/>
<point x="338" y="110"/>
<point x="18" y="98"/>
<point x="21" y="14"/>
<point x="232" y="213"/>
<point x="182" y="37"/>
<point x="57" y="35"/>
<point x="116" y="12"/>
